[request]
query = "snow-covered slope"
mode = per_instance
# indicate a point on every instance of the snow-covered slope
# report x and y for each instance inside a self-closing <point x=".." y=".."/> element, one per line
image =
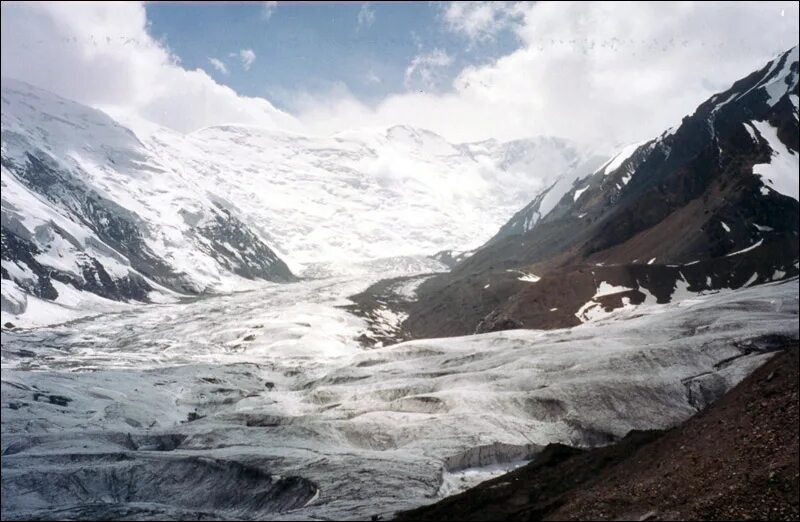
<point x="367" y="194"/>
<point x="86" y="205"/>
<point x="137" y="212"/>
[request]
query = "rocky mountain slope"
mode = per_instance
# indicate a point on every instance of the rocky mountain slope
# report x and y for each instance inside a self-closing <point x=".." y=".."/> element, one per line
<point x="97" y="213"/>
<point x="709" y="205"/>
<point x="737" y="460"/>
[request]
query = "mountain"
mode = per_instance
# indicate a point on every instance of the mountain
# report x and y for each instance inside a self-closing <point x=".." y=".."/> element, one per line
<point x="98" y="212"/>
<point x="709" y="205"/>
<point x="327" y="202"/>
<point x="91" y="215"/>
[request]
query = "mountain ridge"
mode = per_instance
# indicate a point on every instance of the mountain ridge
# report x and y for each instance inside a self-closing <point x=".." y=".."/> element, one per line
<point x="682" y="213"/>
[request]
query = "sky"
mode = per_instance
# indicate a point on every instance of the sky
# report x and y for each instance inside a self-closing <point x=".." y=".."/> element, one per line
<point x="600" y="73"/>
<point x="365" y="48"/>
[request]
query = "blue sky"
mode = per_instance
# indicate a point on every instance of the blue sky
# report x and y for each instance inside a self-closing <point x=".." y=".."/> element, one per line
<point x="317" y="47"/>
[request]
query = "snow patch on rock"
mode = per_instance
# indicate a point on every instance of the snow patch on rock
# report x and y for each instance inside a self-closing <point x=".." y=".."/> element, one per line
<point x="781" y="173"/>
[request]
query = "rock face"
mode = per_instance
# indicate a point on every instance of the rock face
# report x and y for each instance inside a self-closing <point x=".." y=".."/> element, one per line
<point x="710" y="205"/>
<point x="497" y="321"/>
<point x="450" y="258"/>
<point x="87" y="209"/>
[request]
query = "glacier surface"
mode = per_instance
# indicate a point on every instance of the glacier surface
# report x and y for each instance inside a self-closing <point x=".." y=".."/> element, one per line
<point x="261" y="404"/>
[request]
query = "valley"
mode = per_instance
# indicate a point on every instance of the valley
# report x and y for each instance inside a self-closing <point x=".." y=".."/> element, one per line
<point x="248" y="322"/>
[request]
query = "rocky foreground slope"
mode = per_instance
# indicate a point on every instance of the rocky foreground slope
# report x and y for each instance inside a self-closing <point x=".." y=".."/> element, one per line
<point x="736" y="460"/>
<point x="711" y="204"/>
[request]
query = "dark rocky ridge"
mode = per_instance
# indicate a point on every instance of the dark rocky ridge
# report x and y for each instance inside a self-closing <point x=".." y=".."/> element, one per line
<point x="667" y="201"/>
<point x="450" y="258"/>
<point x="736" y="460"/>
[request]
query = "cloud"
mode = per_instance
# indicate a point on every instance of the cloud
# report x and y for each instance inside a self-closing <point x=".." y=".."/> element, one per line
<point x="219" y="65"/>
<point x="596" y="72"/>
<point x="423" y="71"/>
<point x="366" y="16"/>
<point x="481" y="21"/>
<point x="267" y="8"/>
<point x="100" y="54"/>
<point x="599" y="72"/>
<point x="247" y="56"/>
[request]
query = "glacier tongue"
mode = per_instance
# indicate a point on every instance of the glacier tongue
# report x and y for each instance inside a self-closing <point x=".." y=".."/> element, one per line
<point x="269" y="388"/>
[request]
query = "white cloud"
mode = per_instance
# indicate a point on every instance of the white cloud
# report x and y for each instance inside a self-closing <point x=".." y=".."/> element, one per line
<point x="219" y="65"/>
<point x="366" y="16"/>
<point x="594" y="72"/>
<point x="424" y="70"/>
<point x="247" y="56"/>
<point x="480" y="21"/>
<point x="100" y="54"/>
<point x="267" y="8"/>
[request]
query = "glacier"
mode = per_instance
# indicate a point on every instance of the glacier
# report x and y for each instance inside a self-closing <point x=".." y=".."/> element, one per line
<point x="261" y="403"/>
